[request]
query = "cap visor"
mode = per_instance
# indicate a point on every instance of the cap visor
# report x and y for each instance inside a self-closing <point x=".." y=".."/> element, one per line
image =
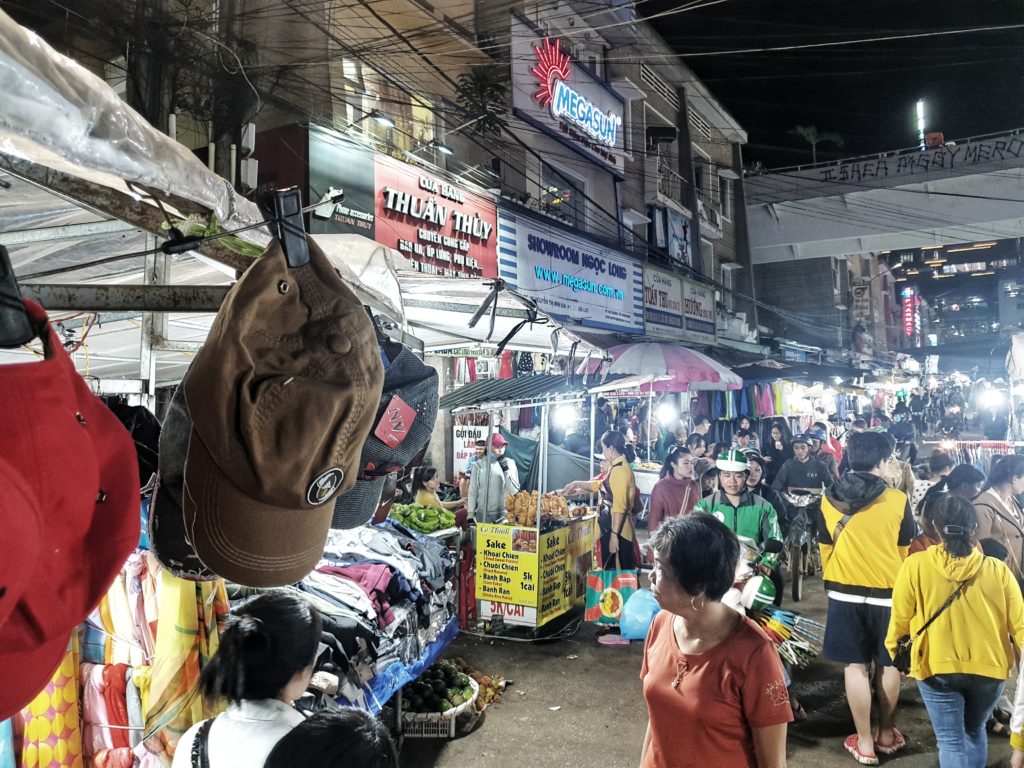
<point x="25" y="674"/>
<point x="241" y="539"/>
<point x="167" y="538"/>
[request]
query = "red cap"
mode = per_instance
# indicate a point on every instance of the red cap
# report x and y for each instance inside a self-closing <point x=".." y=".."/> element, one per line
<point x="20" y="523"/>
<point x="78" y="461"/>
<point x="497" y="441"/>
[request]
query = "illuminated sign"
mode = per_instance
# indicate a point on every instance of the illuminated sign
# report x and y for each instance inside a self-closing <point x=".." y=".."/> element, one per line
<point x="571" y="279"/>
<point x="563" y="99"/>
<point x="441" y="228"/>
<point x="553" y="70"/>
<point x="910" y="312"/>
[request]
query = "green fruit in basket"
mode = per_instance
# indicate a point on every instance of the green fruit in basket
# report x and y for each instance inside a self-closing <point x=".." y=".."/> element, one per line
<point x="445" y="706"/>
<point x="467" y="692"/>
<point x="434" y="704"/>
<point x="463" y="681"/>
<point x="439" y="687"/>
<point x="458" y="699"/>
<point x="415" y="703"/>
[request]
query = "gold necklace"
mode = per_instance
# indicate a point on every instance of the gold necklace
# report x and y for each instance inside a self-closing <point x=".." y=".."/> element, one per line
<point x="681" y="667"/>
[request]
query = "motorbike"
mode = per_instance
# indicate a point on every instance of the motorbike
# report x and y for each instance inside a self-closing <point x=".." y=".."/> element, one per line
<point x="952" y="422"/>
<point x="801" y="544"/>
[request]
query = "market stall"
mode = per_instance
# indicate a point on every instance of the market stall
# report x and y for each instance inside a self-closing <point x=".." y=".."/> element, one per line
<point x="668" y="369"/>
<point x="796" y="393"/>
<point x="530" y="568"/>
<point x="113" y="677"/>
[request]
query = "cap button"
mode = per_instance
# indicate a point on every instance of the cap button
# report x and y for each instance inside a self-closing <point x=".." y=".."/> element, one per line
<point x="339" y="345"/>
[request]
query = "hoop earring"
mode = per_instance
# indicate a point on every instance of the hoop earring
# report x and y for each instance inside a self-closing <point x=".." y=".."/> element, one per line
<point x="695" y="608"/>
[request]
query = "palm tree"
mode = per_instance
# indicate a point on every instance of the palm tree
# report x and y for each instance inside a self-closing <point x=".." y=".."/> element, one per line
<point x="812" y="137"/>
<point x="482" y="96"/>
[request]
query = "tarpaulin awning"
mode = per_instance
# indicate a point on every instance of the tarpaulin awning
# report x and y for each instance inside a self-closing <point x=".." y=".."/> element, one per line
<point x="801" y="373"/>
<point x="524" y="389"/>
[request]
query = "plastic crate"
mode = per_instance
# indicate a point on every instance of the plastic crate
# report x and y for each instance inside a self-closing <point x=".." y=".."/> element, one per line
<point x="437" y="725"/>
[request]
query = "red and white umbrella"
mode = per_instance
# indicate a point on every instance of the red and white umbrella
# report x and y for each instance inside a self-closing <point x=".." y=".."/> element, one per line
<point x="675" y="368"/>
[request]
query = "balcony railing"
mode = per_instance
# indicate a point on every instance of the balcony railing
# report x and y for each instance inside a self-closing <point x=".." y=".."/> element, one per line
<point x="671" y="184"/>
<point x="710" y="215"/>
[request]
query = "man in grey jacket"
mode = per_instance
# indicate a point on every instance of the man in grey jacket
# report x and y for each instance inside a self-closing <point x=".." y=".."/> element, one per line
<point x="494" y="477"/>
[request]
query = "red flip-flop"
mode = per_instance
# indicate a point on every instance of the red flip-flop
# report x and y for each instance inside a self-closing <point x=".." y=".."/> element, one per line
<point x="898" y="743"/>
<point x="851" y="745"/>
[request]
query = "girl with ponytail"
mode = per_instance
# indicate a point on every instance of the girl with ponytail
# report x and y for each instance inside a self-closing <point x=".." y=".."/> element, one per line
<point x="263" y="663"/>
<point x="962" y="658"/>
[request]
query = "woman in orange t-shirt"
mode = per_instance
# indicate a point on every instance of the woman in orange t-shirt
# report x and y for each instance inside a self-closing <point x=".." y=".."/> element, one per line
<point x="712" y="680"/>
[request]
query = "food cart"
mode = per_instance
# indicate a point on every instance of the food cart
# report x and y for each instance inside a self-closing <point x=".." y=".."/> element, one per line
<point x="532" y="568"/>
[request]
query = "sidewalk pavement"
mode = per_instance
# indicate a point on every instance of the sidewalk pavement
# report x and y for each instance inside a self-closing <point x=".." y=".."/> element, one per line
<point x="601" y="716"/>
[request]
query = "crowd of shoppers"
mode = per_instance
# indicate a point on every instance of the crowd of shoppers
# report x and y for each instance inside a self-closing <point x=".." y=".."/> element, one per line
<point x="932" y="566"/>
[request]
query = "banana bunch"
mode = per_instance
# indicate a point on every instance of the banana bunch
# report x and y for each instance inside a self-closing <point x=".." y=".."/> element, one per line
<point x="422" y="519"/>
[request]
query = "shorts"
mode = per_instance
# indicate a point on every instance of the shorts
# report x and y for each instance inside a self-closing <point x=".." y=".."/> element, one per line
<point x="855" y="633"/>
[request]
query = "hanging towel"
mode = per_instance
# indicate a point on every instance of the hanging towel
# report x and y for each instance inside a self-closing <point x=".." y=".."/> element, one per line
<point x="6" y="744"/>
<point x="186" y="639"/>
<point x="50" y="727"/>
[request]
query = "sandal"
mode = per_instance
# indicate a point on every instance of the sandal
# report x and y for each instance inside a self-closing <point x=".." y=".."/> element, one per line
<point x="898" y="743"/>
<point x="612" y="639"/>
<point x="851" y="745"/>
<point x="996" y="728"/>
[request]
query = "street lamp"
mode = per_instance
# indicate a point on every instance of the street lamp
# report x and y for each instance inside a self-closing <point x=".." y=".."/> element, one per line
<point x="377" y="115"/>
<point x="920" y="124"/>
<point x="442" y="149"/>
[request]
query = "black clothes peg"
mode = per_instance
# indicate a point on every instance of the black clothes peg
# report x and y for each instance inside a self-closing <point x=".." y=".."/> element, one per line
<point x="15" y="328"/>
<point x="282" y="208"/>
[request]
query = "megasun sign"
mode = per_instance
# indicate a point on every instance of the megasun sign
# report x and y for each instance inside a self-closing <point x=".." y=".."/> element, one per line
<point x="560" y="97"/>
<point x="552" y="70"/>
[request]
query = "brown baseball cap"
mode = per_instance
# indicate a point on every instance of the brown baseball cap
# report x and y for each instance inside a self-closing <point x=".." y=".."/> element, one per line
<point x="282" y="396"/>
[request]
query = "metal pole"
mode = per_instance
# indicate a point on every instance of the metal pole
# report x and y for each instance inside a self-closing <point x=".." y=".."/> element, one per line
<point x="650" y="414"/>
<point x="154" y="324"/>
<point x="542" y="472"/>
<point x="593" y="427"/>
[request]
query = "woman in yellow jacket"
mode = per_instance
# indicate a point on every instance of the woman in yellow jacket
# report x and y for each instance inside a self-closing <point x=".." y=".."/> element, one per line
<point x="962" y="660"/>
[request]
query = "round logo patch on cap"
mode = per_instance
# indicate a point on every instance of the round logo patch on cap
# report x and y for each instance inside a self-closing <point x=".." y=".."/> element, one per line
<point x="321" y="489"/>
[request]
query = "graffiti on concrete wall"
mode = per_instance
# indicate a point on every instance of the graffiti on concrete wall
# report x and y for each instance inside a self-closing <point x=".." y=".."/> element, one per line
<point x="944" y="159"/>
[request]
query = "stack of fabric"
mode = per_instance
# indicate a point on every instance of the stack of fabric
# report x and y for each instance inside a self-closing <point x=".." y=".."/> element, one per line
<point x="385" y="593"/>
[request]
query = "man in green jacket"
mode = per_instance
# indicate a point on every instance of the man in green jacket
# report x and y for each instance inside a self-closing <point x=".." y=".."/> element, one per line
<point x="746" y="513"/>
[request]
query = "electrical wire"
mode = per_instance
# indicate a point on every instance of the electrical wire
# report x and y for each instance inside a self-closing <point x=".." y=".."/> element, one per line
<point x="434" y="67"/>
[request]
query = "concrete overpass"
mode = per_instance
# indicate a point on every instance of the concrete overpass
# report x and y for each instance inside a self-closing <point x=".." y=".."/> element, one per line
<point x="968" y="190"/>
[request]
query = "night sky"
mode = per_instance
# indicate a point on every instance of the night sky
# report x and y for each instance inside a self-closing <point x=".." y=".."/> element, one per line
<point x="972" y="83"/>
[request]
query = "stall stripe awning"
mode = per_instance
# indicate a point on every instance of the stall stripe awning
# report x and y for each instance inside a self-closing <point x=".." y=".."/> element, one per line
<point x="522" y="389"/>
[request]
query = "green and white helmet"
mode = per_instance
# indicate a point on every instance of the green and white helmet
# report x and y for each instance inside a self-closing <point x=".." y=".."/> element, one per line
<point x="732" y="460"/>
<point x="758" y="594"/>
